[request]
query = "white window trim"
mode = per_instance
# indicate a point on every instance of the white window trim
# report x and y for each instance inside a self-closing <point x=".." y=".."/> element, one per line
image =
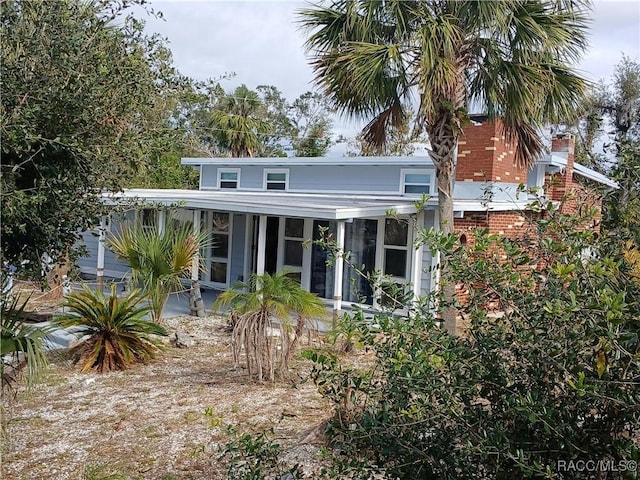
<point x="228" y="170"/>
<point x="380" y="256"/>
<point x="419" y="171"/>
<point x="276" y="170"/>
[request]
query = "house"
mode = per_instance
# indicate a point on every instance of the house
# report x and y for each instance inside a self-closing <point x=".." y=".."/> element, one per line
<point x="261" y="213"/>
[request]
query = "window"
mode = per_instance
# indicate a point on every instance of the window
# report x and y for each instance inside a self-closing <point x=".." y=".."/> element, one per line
<point x="416" y="182"/>
<point x="229" y="178"/>
<point x="276" y="179"/>
<point x="220" y="227"/>
<point x="293" y="247"/>
<point x="147" y="218"/>
<point x="396" y="251"/>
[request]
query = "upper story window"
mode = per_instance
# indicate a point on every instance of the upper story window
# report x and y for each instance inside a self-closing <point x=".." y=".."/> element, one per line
<point x="228" y="178"/>
<point x="276" y="179"/>
<point x="416" y="182"/>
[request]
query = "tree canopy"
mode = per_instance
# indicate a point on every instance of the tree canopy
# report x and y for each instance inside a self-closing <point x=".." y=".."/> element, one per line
<point x="81" y="90"/>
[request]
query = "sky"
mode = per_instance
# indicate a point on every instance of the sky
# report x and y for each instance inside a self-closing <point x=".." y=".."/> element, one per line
<point x="259" y="41"/>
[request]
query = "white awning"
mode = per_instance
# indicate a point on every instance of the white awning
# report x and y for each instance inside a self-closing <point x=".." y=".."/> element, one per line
<point x="322" y="206"/>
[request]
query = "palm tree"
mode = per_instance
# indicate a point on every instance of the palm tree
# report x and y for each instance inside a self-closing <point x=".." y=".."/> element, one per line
<point x="237" y="124"/>
<point x="21" y="345"/>
<point x="268" y="304"/>
<point x="119" y="333"/>
<point x="159" y="260"/>
<point x="508" y="58"/>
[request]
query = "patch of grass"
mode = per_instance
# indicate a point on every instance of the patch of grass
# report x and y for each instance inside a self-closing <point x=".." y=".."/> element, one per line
<point x="104" y="471"/>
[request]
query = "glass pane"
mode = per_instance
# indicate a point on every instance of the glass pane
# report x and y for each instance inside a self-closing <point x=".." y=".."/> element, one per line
<point x="422" y="178"/>
<point x="395" y="232"/>
<point x="395" y="262"/>
<point x="228" y="175"/>
<point x="219" y="272"/>
<point x="293" y="253"/>
<point x="228" y="184"/>
<point x="294" y="227"/>
<point x="297" y="276"/>
<point x="276" y="177"/>
<point x="276" y="186"/>
<point x="360" y="240"/>
<point x="221" y="222"/>
<point x="220" y="247"/>
<point x="321" y="273"/>
<point x="148" y="217"/>
<point x="416" y="189"/>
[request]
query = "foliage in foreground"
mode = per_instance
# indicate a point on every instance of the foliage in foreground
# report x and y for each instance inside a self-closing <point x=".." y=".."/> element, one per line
<point x="21" y="345"/>
<point x="551" y="377"/>
<point x="159" y="260"/>
<point x="119" y="333"/>
<point x="268" y="305"/>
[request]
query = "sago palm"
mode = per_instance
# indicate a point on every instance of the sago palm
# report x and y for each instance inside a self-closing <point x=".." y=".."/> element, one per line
<point x="268" y="304"/>
<point x="118" y="329"/>
<point x="159" y="260"/>
<point x="508" y="59"/>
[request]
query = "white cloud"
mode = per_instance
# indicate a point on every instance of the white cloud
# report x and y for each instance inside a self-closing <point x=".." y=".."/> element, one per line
<point x="260" y="42"/>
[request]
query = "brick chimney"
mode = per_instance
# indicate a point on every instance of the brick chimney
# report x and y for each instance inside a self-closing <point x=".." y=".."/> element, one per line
<point x="562" y="145"/>
<point x="485" y="156"/>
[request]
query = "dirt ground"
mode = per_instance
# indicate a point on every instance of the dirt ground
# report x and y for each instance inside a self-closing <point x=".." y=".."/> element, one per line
<point x="150" y="422"/>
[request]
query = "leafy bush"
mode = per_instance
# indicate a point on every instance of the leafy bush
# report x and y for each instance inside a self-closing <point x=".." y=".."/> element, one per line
<point x="548" y="373"/>
<point x="119" y="333"/>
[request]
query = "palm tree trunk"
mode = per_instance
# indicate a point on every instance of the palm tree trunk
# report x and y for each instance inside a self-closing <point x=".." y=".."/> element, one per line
<point x="443" y="142"/>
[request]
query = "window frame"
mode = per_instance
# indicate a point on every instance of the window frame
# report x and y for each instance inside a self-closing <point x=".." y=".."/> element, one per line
<point x="265" y="182"/>
<point x="416" y="171"/>
<point x="209" y="258"/>
<point x="237" y="171"/>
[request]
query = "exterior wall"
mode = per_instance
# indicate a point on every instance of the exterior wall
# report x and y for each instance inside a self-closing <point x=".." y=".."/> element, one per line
<point x="563" y="187"/>
<point x="378" y="179"/>
<point x="113" y="266"/>
<point x="485" y="155"/>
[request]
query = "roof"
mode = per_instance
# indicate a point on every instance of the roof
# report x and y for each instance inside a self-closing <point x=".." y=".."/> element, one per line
<point x="277" y="161"/>
<point x="321" y="206"/>
<point x="559" y="160"/>
<point x="328" y="207"/>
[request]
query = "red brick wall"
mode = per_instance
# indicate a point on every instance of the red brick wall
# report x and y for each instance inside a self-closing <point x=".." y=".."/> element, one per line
<point x="485" y="156"/>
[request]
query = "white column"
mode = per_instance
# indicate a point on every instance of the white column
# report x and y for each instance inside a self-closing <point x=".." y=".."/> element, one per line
<point x="338" y="268"/>
<point x="262" y="244"/>
<point x="162" y="218"/>
<point x="101" y="238"/>
<point x="416" y="268"/>
<point x="195" y="265"/>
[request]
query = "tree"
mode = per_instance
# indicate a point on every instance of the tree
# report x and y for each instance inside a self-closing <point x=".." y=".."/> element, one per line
<point x="118" y="332"/>
<point x="80" y="81"/>
<point x="309" y="115"/>
<point x="506" y="58"/>
<point x="159" y="260"/>
<point x="268" y="303"/>
<point x="238" y="124"/>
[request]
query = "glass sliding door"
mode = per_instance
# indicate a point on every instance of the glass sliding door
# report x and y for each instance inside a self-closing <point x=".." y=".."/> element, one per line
<point x="321" y="271"/>
<point x="360" y="241"/>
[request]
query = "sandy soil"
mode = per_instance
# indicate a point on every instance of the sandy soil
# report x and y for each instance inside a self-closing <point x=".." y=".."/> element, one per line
<point x="150" y="422"/>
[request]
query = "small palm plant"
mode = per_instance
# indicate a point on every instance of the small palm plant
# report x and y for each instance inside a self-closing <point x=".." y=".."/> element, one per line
<point x="268" y="305"/>
<point x="21" y="345"/>
<point x="158" y="260"/>
<point x="119" y="332"/>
